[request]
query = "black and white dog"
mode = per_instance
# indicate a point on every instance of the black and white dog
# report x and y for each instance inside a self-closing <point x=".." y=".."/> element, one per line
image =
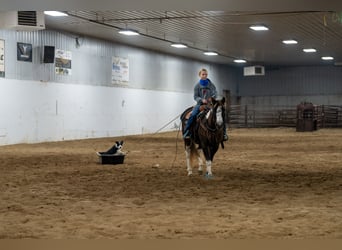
<point x="116" y="149"/>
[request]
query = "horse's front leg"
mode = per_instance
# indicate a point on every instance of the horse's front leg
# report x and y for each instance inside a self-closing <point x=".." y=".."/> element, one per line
<point x="188" y="160"/>
<point x="208" y="164"/>
<point x="208" y="161"/>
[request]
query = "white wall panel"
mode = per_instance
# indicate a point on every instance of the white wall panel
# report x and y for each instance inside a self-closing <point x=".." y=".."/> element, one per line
<point x="34" y="112"/>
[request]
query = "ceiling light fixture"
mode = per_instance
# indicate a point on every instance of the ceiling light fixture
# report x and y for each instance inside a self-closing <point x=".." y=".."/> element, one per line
<point x="179" y="45"/>
<point x="258" y="27"/>
<point x="128" y="32"/>
<point x="210" y="53"/>
<point x="240" y="61"/>
<point x="291" y="41"/>
<point x="310" y="50"/>
<point x="327" y="58"/>
<point x="55" y="13"/>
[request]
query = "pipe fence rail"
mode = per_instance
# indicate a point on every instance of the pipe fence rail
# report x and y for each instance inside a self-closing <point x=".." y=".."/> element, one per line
<point x="258" y="116"/>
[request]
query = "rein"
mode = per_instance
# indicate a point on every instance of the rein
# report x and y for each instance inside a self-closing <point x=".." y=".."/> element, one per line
<point x="206" y="125"/>
<point x="209" y="128"/>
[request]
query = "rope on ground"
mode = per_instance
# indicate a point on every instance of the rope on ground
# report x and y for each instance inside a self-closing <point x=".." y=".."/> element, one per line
<point x="176" y="137"/>
<point x="176" y="147"/>
<point x="167" y="124"/>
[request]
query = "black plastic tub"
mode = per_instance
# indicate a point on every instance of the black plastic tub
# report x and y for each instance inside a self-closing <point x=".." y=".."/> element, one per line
<point x="111" y="158"/>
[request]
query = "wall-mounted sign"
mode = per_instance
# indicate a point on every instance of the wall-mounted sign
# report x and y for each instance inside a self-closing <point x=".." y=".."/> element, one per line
<point x="63" y="62"/>
<point x="24" y="52"/>
<point x="120" y="70"/>
<point x="2" y="58"/>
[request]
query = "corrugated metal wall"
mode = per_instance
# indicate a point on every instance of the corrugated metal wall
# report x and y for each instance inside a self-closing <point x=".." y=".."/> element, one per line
<point x="92" y="61"/>
<point x="38" y="105"/>
<point x="293" y="81"/>
<point x="91" y="65"/>
<point x="35" y="108"/>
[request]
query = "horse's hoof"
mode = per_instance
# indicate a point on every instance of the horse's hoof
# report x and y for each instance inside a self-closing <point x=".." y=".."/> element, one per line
<point x="189" y="174"/>
<point x="208" y="176"/>
<point x="200" y="172"/>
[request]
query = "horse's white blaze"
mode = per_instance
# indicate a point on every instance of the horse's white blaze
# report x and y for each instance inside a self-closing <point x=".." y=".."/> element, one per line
<point x="208" y="163"/>
<point x="188" y="161"/>
<point x="208" y="114"/>
<point x="219" y="116"/>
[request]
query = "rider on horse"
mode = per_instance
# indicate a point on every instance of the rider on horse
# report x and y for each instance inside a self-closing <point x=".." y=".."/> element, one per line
<point x="204" y="90"/>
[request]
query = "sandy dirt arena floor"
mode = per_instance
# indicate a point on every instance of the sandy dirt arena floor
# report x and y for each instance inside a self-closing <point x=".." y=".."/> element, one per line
<point x="269" y="184"/>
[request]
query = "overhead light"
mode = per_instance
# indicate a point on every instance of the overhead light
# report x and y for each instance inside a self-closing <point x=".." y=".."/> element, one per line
<point x="129" y="32"/>
<point x="327" y="58"/>
<point x="240" y="61"/>
<point x="258" y="27"/>
<point x="179" y="45"/>
<point x="291" y="41"/>
<point x="210" y="53"/>
<point x="310" y="50"/>
<point x="55" y="13"/>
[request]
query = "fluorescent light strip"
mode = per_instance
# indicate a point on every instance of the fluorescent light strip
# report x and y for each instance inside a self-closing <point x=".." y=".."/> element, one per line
<point x="179" y="45"/>
<point x="210" y="53"/>
<point x="290" y="41"/>
<point x="258" y="27"/>
<point x="240" y="61"/>
<point x="310" y="50"/>
<point x="129" y="32"/>
<point x="327" y="58"/>
<point x="55" y="13"/>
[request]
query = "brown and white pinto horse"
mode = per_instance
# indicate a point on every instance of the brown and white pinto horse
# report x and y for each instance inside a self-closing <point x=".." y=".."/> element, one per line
<point x="206" y="132"/>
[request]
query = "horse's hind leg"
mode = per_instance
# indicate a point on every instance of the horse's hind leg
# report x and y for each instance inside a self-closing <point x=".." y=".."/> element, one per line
<point x="188" y="160"/>
<point x="200" y="162"/>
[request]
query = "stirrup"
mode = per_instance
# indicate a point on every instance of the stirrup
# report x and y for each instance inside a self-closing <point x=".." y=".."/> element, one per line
<point x="186" y="134"/>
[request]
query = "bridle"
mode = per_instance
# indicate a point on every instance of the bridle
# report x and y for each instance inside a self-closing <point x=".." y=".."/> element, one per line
<point x="213" y="109"/>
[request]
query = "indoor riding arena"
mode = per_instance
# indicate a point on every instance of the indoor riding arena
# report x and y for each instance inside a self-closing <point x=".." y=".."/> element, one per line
<point x="269" y="183"/>
<point x="101" y="111"/>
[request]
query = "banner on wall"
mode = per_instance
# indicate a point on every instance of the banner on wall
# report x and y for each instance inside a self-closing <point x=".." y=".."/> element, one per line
<point x="62" y="62"/>
<point x="24" y="52"/>
<point x="2" y="58"/>
<point x="120" y="70"/>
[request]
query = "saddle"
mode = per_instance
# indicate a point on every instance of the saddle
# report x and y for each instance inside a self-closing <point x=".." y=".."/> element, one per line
<point x="194" y="126"/>
<point x="186" y="114"/>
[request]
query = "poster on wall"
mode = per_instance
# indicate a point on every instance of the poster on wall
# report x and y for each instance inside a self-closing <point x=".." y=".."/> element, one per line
<point x="2" y="58"/>
<point x="120" y="70"/>
<point x="24" y="52"/>
<point x="62" y="62"/>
